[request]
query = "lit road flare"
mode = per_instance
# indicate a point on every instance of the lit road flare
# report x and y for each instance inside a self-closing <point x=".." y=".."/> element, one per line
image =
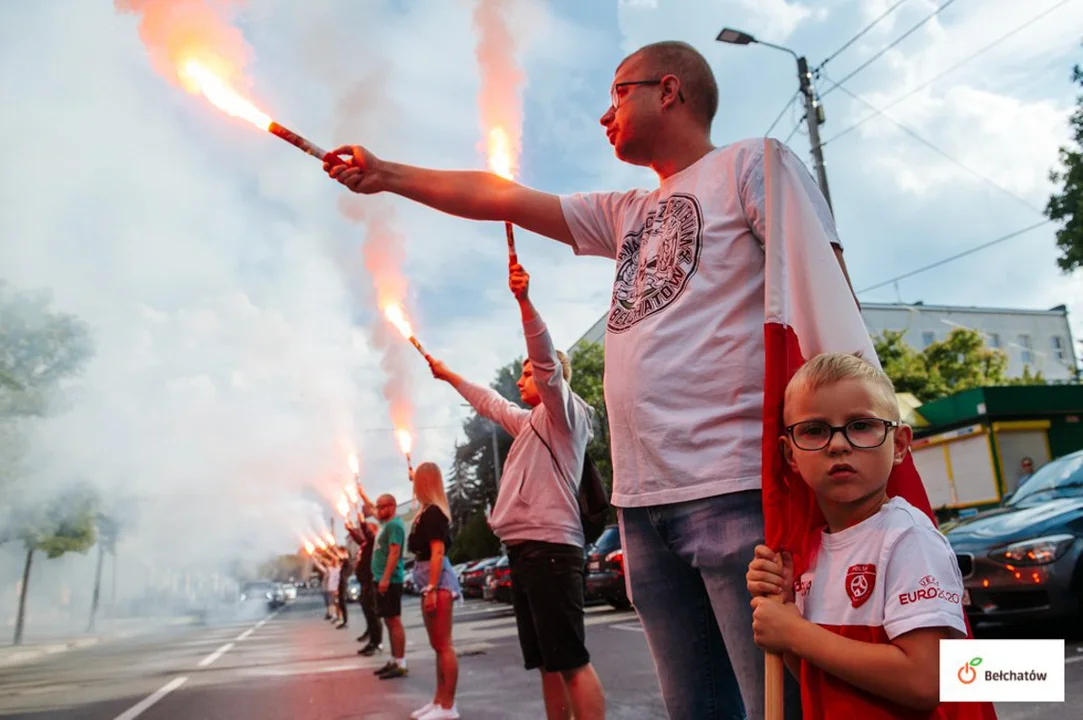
<point x="199" y="78"/>
<point x="343" y="506"/>
<point x="309" y="547"/>
<point x="397" y="317"/>
<point x="351" y="492"/>
<point x="355" y="466"/>
<point x="500" y="163"/>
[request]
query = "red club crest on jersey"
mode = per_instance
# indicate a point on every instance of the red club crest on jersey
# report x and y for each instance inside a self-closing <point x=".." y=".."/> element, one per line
<point x="860" y="580"/>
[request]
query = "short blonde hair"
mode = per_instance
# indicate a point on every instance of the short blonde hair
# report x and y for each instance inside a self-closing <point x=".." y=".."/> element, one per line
<point x="565" y="365"/>
<point x="830" y="368"/>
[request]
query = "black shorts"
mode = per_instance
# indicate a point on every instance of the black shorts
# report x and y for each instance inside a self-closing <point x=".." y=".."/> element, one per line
<point x="389" y="604"/>
<point x="547" y="593"/>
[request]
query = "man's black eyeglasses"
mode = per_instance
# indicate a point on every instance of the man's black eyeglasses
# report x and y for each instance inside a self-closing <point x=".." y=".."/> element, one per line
<point x="614" y="96"/>
<point x="863" y="433"/>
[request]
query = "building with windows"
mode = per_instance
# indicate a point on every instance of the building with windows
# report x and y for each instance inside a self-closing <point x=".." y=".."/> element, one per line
<point x="1038" y="339"/>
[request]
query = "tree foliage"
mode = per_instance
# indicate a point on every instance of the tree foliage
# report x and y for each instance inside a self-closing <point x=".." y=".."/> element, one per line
<point x="473" y="481"/>
<point x="38" y="349"/>
<point x="1067" y="205"/>
<point x="960" y="362"/>
<point x="474" y="540"/>
<point x="588" y="374"/>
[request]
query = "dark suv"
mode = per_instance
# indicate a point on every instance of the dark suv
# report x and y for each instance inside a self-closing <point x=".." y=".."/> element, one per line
<point x="605" y="570"/>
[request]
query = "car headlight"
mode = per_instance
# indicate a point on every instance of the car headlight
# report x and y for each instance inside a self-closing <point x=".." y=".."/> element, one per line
<point x="243" y="596"/>
<point x="269" y="596"/>
<point x="1039" y="551"/>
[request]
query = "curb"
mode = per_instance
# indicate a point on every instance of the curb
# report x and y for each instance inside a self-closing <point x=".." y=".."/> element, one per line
<point x="22" y="656"/>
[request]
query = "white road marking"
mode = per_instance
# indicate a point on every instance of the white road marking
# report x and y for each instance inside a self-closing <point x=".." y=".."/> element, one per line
<point x="215" y="655"/>
<point x="629" y="628"/>
<point x="138" y="709"/>
<point x="246" y="633"/>
<point x="1077" y="658"/>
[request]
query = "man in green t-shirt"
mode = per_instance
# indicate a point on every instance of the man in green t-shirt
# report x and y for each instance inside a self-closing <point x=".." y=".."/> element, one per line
<point x="388" y="571"/>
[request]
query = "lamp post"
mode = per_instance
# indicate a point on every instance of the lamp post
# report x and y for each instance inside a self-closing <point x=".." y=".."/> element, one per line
<point x="814" y="111"/>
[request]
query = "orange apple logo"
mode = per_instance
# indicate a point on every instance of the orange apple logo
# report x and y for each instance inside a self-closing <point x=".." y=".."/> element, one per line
<point x="967" y="674"/>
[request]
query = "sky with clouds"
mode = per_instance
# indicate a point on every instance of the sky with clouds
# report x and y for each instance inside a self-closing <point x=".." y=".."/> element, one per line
<point x="239" y="355"/>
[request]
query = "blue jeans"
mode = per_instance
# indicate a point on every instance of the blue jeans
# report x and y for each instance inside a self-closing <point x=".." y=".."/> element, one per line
<point x="685" y="566"/>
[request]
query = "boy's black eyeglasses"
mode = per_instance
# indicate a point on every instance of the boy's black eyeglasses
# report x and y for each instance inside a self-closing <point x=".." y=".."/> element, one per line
<point x="614" y="96"/>
<point x="863" y="433"/>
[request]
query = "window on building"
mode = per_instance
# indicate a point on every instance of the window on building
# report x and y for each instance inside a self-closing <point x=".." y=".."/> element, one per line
<point x="1024" y="343"/>
<point x="928" y="338"/>
<point x="994" y="340"/>
<point x="1058" y="347"/>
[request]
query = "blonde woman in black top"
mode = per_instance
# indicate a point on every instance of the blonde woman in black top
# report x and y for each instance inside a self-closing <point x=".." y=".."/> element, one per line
<point x="429" y="541"/>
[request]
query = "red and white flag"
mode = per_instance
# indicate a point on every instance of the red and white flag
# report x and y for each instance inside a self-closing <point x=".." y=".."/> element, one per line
<point x="809" y="310"/>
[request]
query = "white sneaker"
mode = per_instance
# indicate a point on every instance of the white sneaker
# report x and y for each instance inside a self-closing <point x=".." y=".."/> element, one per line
<point x="417" y="714"/>
<point x="441" y="713"/>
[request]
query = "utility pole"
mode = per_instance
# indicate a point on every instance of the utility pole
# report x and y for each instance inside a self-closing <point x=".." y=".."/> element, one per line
<point x="496" y="452"/>
<point x="814" y="117"/>
<point x="814" y="111"/>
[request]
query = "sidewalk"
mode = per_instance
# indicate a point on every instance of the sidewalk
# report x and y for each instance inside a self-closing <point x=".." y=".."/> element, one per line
<point x="37" y="649"/>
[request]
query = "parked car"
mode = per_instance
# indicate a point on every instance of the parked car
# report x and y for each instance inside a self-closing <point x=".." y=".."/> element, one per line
<point x="1025" y="559"/>
<point x="353" y="588"/>
<point x="289" y="590"/>
<point x="501" y="580"/>
<point x="605" y="570"/>
<point x="473" y="582"/>
<point x="263" y="591"/>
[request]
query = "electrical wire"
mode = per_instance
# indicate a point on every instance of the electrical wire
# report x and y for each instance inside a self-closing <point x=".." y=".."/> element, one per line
<point x="942" y="152"/>
<point x="861" y="34"/>
<point x="971" y="251"/>
<point x="895" y="42"/>
<point x="951" y="69"/>
<point x="782" y="112"/>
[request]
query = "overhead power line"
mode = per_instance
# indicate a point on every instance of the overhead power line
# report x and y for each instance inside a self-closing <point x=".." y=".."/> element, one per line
<point x="782" y="112"/>
<point x="951" y="69"/>
<point x="947" y="260"/>
<point x="942" y="152"/>
<point x="861" y="34"/>
<point x="895" y="42"/>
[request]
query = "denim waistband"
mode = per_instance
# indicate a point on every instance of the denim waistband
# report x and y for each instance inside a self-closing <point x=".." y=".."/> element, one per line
<point x="448" y="581"/>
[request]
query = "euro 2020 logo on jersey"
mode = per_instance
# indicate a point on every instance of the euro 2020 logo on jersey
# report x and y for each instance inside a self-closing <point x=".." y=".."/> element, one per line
<point x="860" y="580"/>
<point x="656" y="262"/>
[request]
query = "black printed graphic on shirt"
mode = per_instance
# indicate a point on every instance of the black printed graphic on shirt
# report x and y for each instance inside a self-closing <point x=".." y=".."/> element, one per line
<point x="656" y="262"/>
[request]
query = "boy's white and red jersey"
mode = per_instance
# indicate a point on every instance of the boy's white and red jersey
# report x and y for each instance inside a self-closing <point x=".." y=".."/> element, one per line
<point x="886" y="576"/>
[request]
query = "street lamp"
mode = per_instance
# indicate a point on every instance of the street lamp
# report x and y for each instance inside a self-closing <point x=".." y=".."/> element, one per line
<point x="814" y="111"/>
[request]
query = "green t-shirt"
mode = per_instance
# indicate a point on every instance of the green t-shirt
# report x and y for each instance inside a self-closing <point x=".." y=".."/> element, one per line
<point x="392" y="533"/>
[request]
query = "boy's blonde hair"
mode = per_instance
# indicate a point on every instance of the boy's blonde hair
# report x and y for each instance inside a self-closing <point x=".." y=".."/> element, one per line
<point x="830" y="368"/>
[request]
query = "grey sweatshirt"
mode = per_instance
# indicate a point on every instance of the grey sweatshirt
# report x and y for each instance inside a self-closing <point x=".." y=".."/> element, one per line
<point x="537" y="499"/>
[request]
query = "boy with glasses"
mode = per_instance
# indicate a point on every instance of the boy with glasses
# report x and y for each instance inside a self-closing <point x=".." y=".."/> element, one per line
<point x="862" y="626"/>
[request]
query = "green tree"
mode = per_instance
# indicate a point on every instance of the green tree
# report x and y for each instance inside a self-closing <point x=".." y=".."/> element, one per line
<point x="67" y="524"/>
<point x="474" y="540"/>
<point x="38" y="349"/>
<point x="959" y="362"/>
<point x="474" y="481"/>
<point x="1067" y="205"/>
<point x="588" y="373"/>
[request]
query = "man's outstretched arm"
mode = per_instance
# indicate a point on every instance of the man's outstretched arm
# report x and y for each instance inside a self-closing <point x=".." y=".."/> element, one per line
<point x="468" y="194"/>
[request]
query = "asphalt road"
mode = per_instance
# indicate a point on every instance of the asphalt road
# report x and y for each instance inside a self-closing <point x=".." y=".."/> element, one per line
<point x="293" y="665"/>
